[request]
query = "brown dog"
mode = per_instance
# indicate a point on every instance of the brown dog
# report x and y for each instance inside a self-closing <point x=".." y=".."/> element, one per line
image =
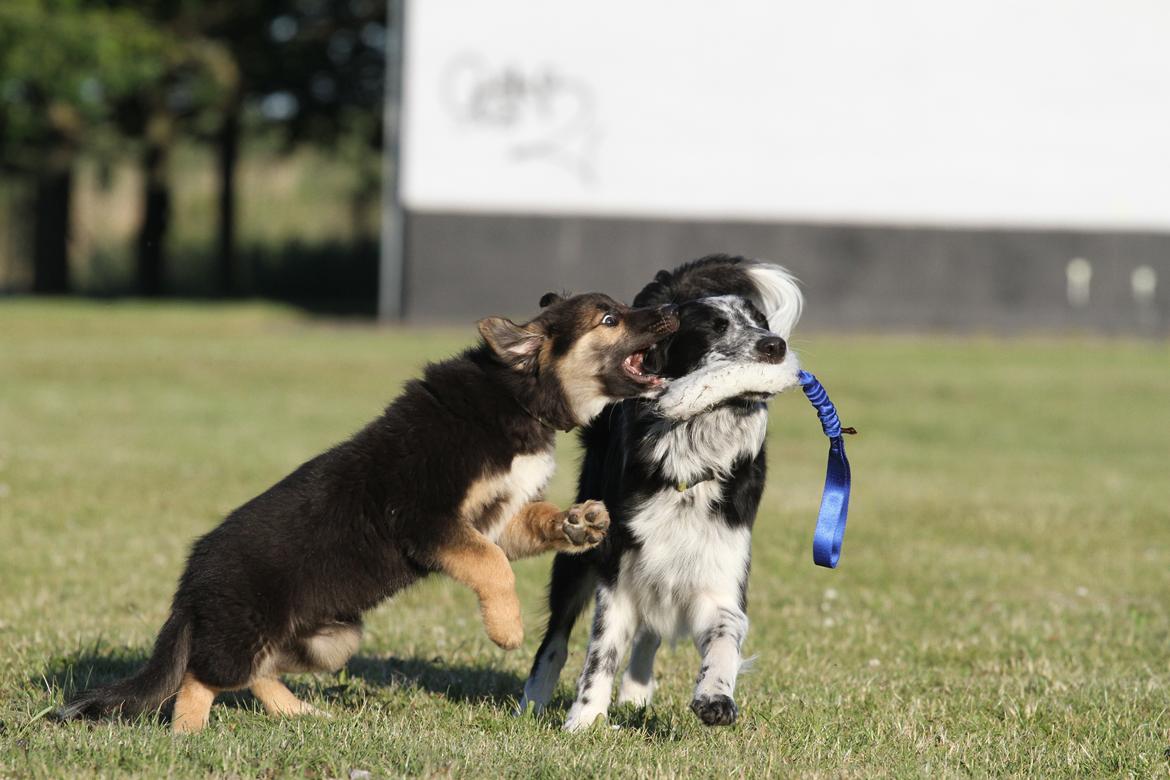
<point x="446" y="480"/>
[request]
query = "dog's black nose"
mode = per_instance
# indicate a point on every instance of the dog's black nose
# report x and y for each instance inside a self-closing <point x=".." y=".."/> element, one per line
<point x="772" y="348"/>
<point x="669" y="317"/>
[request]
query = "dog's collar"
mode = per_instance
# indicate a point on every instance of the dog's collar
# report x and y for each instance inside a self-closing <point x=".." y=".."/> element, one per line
<point x="683" y="485"/>
<point x="538" y="418"/>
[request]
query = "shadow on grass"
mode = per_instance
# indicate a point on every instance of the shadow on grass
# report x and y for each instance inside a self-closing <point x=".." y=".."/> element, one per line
<point x="483" y="684"/>
<point x="478" y="683"/>
<point x="93" y="668"/>
<point x="458" y="683"/>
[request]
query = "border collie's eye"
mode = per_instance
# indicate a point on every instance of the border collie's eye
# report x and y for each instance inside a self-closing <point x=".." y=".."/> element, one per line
<point x="720" y="325"/>
<point x="609" y="320"/>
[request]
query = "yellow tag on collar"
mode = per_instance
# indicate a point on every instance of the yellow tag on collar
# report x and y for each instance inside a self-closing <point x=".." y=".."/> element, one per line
<point x="681" y="487"/>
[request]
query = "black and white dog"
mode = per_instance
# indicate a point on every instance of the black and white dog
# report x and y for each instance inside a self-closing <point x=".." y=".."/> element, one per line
<point x="682" y="478"/>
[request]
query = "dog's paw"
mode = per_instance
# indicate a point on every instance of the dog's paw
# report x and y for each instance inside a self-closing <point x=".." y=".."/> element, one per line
<point x="503" y="623"/>
<point x="584" y="526"/>
<point x="715" y="710"/>
<point x="508" y="637"/>
<point x="635" y="693"/>
<point x="581" y="717"/>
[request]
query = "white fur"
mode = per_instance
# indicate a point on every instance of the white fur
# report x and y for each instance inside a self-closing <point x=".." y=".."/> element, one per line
<point x="685" y="579"/>
<point x="525" y="481"/>
<point x="708" y="445"/>
<point x="594" y="693"/>
<point x="638" y="682"/>
<point x="539" y="687"/>
<point x="719" y="379"/>
<point x="780" y="296"/>
<point x="685" y="556"/>
<point x="688" y="572"/>
<point x="732" y="369"/>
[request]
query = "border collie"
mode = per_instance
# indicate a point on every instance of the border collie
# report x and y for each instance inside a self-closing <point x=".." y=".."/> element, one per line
<point x="682" y="477"/>
<point x="446" y="480"/>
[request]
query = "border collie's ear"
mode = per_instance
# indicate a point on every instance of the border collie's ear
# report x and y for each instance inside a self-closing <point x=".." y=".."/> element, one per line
<point x="514" y="344"/>
<point x="549" y="298"/>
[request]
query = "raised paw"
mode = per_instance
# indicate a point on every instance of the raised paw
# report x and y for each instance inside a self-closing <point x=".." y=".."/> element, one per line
<point x="501" y="620"/>
<point x="715" y="710"/>
<point x="584" y="526"/>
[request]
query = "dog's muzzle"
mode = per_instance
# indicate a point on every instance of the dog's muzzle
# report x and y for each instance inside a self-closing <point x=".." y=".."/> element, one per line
<point x="668" y="321"/>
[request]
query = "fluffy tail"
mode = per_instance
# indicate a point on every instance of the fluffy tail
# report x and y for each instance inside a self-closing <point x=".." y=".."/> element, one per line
<point x="145" y="691"/>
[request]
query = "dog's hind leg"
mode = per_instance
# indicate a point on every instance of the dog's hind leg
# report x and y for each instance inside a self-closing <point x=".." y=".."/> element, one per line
<point x="192" y="706"/>
<point x="329" y="647"/>
<point x="638" y="681"/>
<point x="324" y="649"/>
<point x="573" y="582"/>
<point x="719" y="634"/>
<point x="278" y="700"/>
<point x="473" y="560"/>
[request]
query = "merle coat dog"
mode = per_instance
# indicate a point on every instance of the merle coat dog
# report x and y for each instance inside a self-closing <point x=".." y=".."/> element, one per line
<point x="446" y="480"/>
<point x="682" y="477"/>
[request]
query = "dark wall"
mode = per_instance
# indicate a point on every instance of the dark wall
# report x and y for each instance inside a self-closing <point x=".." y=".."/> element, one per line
<point x="461" y="267"/>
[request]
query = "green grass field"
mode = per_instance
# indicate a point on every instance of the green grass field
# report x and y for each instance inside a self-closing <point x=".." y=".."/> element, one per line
<point x="1002" y="606"/>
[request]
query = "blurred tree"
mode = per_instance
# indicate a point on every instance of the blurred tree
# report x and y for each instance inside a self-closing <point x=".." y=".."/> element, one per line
<point x="309" y="70"/>
<point x="312" y="71"/>
<point x="63" y="65"/>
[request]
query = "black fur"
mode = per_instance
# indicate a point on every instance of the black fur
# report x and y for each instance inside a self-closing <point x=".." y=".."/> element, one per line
<point x="363" y="520"/>
<point x="614" y="469"/>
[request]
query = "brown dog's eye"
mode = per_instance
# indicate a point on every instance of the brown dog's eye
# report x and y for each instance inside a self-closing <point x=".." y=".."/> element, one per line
<point x="609" y="320"/>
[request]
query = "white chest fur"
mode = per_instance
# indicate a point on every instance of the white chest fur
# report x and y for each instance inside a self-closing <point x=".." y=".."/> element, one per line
<point x="687" y="552"/>
<point x="505" y="492"/>
<point x="684" y="556"/>
<point x="710" y="443"/>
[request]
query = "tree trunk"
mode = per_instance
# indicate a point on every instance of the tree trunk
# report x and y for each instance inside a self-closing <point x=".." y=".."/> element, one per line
<point x="51" y="203"/>
<point x="156" y="215"/>
<point x="229" y="152"/>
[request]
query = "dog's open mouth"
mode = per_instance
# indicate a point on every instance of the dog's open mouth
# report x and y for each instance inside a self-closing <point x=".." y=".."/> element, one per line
<point x="636" y="368"/>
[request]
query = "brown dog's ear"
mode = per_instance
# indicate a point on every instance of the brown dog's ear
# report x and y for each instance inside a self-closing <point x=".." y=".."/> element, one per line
<point x="549" y="298"/>
<point x="515" y="345"/>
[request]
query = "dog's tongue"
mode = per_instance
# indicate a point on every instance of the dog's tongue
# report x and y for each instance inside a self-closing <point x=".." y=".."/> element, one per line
<point x="635" y="361"/>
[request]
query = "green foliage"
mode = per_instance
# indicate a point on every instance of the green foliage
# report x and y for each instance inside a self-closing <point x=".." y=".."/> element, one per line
<point x="1001" y="608"/>
<point x="65" y="64"/>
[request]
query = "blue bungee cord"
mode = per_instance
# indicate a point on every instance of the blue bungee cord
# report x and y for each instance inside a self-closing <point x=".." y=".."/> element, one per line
<point x="830" y="531"/>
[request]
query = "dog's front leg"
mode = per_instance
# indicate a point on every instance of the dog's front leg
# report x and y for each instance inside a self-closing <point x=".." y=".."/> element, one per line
<point x="613" y="627"/>
<point x="473" y="560"/>
<point x="541" y="527"/>
<point x="638" y="681"/>
<point x="719" y="633"/>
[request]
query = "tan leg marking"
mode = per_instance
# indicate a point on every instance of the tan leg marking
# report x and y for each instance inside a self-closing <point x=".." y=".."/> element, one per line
<point x="192" y="706"/>
<point x="541" y="527"/>
<point x="278" y="700"/>
<point x="474" y="561"/>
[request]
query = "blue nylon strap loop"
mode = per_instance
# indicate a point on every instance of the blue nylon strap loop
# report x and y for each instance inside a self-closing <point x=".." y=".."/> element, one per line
<point x="834" y="512"/>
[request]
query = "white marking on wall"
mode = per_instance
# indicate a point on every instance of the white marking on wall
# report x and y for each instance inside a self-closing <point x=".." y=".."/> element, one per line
<point x="1079" y="275"/>
<point x="1144" y="282"/>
